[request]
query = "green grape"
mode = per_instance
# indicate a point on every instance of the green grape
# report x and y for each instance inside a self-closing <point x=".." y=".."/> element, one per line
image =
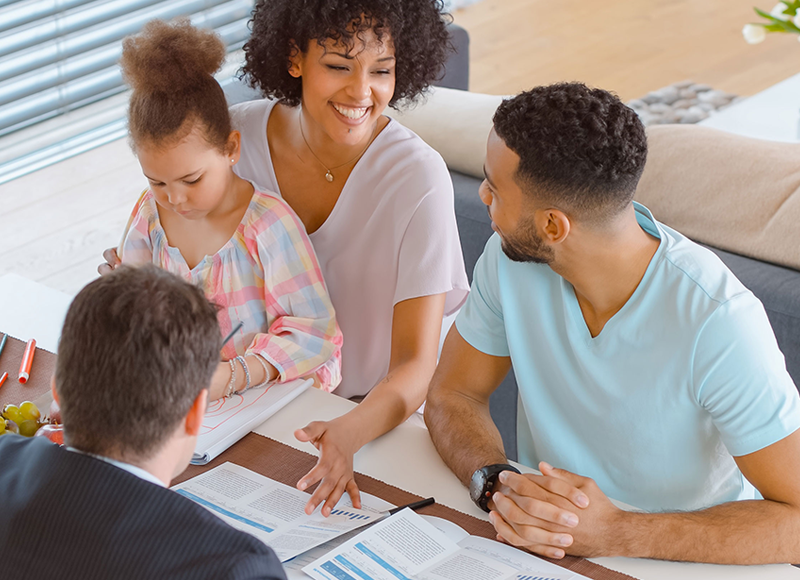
<point x="28" y="428"/>
<point x="30" y="411"/>
<point x="12" y="413"/>
<point x="11" y="426"/>
<point x="2" y="426"/>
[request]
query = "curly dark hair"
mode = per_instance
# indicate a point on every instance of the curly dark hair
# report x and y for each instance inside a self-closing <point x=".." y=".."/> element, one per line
<point x="170" y="67"/>
<point x="580" y="148"/>
<point x="417" y="29"/>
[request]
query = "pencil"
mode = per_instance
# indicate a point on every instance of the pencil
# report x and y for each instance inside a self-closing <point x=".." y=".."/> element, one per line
<point x="3" y="343"/>
<point x="234" y="331"/>
<point x="3" y="379"/>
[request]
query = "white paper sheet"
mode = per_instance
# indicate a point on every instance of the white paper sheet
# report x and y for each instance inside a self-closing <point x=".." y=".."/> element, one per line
<point x="397" y="548"/>
<point x="407" y="546"/>
<point x="228" y="420"/>
<point x="271" y="511"/>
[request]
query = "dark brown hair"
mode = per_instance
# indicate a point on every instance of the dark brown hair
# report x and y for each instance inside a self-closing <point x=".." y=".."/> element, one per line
<point x="137" y="347"/>
<point x="417" y="29"/>
<point x="580" y="148"/>
<point x="170" y="67"/>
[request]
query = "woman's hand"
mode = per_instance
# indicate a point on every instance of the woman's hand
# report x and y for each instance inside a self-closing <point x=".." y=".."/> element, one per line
<point x="334" y="468"/>
<point x="112" y="262"/>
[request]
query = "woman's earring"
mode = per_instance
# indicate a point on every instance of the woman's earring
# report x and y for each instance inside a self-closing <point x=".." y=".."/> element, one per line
<point x="232" y="160"/>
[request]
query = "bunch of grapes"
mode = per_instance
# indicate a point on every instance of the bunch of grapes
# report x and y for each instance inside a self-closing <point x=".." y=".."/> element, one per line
<point x="27" y="420"/>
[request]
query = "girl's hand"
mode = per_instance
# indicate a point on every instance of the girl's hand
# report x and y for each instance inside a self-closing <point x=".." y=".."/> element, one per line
<point x="219" y="381"/>
<point x="112" y="261"/>
<point x="334" y="468"/>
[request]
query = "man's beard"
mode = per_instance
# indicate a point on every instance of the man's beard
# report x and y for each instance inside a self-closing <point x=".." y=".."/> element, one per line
<point x="525" y="245"/>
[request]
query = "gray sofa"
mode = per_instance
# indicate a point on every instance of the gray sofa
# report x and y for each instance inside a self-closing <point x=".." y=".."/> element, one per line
<point x="777" y="287"/>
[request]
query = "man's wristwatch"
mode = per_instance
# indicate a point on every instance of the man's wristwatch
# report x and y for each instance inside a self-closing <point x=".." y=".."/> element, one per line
<point x="483" y="481"/>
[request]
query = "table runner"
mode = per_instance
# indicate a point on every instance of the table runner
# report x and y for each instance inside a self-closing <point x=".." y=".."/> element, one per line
<point x="42" y="370"/>
<point x="287" y="465"/>
<point x="263" y="455"/>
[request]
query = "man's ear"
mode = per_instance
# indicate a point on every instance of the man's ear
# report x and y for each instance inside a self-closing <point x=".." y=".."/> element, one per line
<point x="553" y="224"/>
<point x="194" y="418"/>
<point x="53" y="390"/>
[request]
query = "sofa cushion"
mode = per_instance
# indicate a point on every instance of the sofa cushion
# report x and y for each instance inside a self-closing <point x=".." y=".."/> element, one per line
<point x="731" y="192"/>
<point x="456" y="124"/>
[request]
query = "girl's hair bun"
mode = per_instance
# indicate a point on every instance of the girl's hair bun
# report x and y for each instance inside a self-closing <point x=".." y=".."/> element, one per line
<point x="170" y="57"/>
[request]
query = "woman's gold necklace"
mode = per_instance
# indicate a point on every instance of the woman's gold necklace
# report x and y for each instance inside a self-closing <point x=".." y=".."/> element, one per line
<point x="328" y="170"/>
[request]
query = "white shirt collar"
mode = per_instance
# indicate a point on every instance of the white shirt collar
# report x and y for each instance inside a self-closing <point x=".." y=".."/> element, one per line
<point x="133" y="469"/>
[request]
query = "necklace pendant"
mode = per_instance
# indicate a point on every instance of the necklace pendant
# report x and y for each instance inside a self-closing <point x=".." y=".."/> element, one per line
<point x="329" y="176"/>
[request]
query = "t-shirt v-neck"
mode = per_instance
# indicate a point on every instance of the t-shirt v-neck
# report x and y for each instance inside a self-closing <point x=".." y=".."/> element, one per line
<point x="617" y="323"/>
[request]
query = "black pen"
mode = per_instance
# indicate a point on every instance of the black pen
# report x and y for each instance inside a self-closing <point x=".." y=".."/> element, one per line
<point x="414" y="506"/>
<point x="234" y="331"/>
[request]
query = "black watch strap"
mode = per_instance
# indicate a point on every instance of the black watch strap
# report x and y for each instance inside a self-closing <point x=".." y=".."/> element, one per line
<point x="484" y="480"/>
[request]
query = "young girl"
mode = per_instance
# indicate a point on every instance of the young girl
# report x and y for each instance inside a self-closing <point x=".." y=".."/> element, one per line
<point x="246" y="249"/>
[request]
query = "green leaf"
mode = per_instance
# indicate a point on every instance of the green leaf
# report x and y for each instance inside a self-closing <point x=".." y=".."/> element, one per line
<point x="782" y="26"/>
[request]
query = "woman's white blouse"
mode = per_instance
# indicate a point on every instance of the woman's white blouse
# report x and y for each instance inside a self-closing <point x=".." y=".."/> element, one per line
<point x="391" y="236"/>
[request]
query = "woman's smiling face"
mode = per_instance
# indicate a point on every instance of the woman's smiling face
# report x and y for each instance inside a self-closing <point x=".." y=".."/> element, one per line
<point x="347" y="88"/>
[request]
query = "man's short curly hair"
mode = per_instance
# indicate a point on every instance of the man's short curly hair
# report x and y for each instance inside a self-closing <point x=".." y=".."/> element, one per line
<point x="417" y="29"/>
<point x="580" y="148"/>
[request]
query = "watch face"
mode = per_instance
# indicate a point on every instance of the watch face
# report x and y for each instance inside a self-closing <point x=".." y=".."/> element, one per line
<point x="477" y="485"/>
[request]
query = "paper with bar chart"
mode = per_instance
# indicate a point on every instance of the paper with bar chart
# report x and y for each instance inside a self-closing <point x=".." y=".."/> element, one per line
<point x="272" y="511"/>
<point x="407" y="546"/>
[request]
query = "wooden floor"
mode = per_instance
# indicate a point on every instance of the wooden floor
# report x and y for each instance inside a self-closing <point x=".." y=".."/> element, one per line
<point x="628" y="46"/>
<point x="54" y="224"/>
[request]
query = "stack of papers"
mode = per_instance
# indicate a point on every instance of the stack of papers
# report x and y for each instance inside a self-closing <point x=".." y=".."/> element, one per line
<point x="353" y="544"/>
<point x="228" y="420"/>
<point x="271" y="511"/>
<point x="408" y="546"/>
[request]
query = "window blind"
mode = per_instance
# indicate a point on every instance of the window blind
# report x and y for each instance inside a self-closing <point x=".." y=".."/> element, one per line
<point x="59" y="72"/>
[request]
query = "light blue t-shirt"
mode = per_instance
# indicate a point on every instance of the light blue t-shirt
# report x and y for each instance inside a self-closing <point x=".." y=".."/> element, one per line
<point x="685" y="376"/>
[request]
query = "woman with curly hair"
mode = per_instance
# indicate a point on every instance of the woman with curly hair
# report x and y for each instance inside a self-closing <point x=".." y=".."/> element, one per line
<point x="375" y="199"/>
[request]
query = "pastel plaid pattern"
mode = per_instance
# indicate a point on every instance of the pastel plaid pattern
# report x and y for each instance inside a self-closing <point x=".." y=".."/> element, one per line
<point x="266" y="276"/>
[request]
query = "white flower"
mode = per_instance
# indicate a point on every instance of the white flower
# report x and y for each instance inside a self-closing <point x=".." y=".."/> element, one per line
<point x="777" y="12"/>
<point x="753" y="33"/>
<point x="796" y="20"/>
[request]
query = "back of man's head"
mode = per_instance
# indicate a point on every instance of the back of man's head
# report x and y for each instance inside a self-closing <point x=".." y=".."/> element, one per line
<point x="581" y="150"/>
<point x="137" y="348"/>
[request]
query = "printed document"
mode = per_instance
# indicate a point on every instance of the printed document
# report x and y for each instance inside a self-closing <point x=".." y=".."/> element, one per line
<point x="271" y="511"/>
<point x="407" y="546"/>
<point x="228" y="420"/>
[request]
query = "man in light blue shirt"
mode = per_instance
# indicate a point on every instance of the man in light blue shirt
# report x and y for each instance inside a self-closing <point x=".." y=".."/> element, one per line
<point x="642" y="362"/>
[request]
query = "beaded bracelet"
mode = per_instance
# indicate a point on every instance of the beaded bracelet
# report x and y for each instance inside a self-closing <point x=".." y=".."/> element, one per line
<point x="267" y="380"/>
<point x="246" y="374"/>
<point x="232" y="383"/>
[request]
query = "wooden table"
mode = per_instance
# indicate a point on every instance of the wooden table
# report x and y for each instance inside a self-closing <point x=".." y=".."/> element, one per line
<point x="404" y="457"/>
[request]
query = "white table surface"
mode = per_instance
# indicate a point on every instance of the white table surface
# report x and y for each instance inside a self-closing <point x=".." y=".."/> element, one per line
<point x="772" y="114"/>
<point x="404" y="457"/>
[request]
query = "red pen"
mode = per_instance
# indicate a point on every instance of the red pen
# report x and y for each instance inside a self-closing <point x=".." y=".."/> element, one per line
<point x="3" y="379"/>
<point x="27" y="361"/>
